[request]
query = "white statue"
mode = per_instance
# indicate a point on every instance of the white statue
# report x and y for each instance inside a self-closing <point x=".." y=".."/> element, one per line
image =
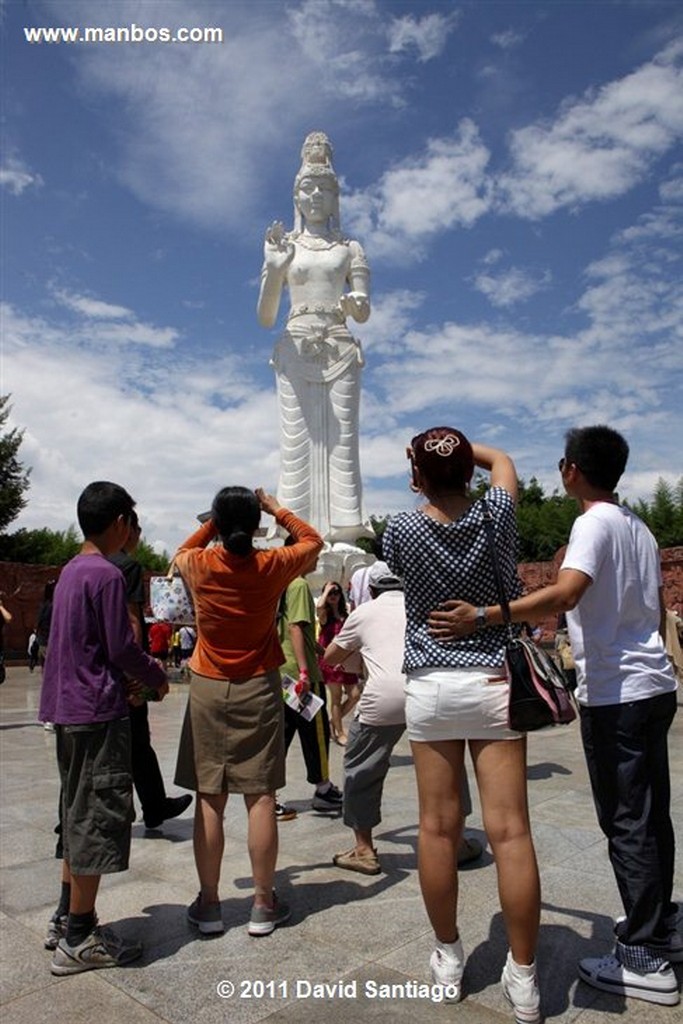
<point x="316" y="359"/>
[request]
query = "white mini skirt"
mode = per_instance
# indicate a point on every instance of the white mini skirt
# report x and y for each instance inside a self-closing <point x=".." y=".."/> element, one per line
<point x="458" y="704"/>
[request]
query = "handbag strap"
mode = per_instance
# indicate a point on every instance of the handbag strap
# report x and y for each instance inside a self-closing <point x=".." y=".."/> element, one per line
<point x="489" y="529"/>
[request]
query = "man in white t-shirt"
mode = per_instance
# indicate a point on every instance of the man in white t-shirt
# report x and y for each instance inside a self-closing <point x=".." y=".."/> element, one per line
<point x="610" y="587"/>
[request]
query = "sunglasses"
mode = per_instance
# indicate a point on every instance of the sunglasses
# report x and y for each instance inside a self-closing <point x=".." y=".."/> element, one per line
<point x="562" y="464"/>
<point x="334" y="593"/>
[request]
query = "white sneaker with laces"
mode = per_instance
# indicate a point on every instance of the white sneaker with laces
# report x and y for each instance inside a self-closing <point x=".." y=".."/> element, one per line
<point x="520" y="988"/>
<point x="608" y="974"/>
<point x="447" y="971"/>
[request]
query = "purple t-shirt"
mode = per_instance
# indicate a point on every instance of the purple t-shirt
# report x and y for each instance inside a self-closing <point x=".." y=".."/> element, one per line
<point x="91" y="646"/>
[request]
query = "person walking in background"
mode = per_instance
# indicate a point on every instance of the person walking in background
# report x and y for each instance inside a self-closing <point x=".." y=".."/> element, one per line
<point x="233" y="733"/>
<point x="5" y="618"/>
<point x="610" y="587"/>
<point x="147" y="778"/>
<point x="456" y="694"/>
<point x="91" y="652"/>
<point x="341" y="685"/>
<point x="296" y="631"/>
<point x="159" y="639"/>
<point x="44" y="620"/>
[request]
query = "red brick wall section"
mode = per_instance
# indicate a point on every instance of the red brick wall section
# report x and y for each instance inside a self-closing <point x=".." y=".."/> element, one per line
<point x="23" y="587"/>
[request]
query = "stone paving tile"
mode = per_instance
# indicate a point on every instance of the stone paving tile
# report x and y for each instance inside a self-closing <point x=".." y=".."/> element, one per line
<point x="362" y="931"/>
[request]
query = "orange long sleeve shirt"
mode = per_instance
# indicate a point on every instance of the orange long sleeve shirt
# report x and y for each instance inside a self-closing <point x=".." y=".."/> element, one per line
<point x="236" y="598"/>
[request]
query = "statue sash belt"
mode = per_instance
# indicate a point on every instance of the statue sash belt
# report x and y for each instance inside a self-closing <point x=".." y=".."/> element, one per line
<point x="318" y="354"/>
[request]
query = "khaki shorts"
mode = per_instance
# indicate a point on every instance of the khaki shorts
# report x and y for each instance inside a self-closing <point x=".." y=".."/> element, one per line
<point x="232" y="739"/>
<point x="97" y="796"/>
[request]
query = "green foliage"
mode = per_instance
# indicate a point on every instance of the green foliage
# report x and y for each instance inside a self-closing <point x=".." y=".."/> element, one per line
<point x="40" y="547"/>
<point x="149" y="559"/>
<point x="664" y="513"/>
<point x="370" y="544"/>
<point x="55" y="547"/>
<point x="13" y="476"/>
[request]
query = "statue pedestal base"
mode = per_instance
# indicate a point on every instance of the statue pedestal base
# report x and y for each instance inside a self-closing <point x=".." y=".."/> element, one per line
<point x="338" y="562"/>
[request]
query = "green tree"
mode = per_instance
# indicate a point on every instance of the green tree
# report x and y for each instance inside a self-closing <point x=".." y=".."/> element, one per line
<point x="664" y="513"/>
<point x="13" y="476"/>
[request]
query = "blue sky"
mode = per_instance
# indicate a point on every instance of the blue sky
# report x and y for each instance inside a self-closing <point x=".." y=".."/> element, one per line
<point x="513" y="170"/>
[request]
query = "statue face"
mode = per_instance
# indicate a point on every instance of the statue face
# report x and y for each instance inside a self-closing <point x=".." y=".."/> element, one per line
<point x="316" y="198"/>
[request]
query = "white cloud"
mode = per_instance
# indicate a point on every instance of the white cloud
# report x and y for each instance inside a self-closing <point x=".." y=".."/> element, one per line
<point x="91" y="307"/>
<point x="511" y="286"/>
<point x="428" y="35"/>
<point x="434" y="190"/>
<point x="171" y="431"/>
<point x="599" y="146"/>
<point x="508" y="39"/>
<point x="16" y="177"/>
<point x="200" y="125"/>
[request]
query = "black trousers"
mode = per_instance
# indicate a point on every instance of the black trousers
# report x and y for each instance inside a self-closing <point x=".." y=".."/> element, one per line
<point x="628" y="763"/>
<point x="314" y="737"/>
<point x="147" y="779"/>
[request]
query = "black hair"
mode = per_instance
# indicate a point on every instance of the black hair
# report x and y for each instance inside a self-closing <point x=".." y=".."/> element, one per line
<point x="236" y="511"/>
<point x="444" y="458"/>
<point x="341" y="607"/>
<point x="599" y="452"/>
<point x="100" y="505"/>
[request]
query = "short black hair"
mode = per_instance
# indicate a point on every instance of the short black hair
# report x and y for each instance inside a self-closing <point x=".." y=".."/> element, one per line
<point x="100" y="505"/>
<point x="236" y="511"/>
<point x="599" y="452"/>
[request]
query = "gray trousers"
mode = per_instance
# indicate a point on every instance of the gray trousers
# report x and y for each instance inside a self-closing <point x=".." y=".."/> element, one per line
<point x="366" y="763"/>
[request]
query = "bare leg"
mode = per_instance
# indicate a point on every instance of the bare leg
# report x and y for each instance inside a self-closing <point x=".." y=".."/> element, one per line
<point x="501" y="776"/>
<point x="363" y="841"/>
<point x="209" y="840"/>
<point x="351" y="697"/>
<point x="439" y="768"/>
<point x="83" y="891"/>
<point x="263" y="842"/>
<point x="336" y="722"/>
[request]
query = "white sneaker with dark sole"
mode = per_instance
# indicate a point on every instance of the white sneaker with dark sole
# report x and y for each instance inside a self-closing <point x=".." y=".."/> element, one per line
<point x="609" y="975"/>
<point x="102" y="948"/>
<point x="520" y="988"/>
<point x="447" y="971"/>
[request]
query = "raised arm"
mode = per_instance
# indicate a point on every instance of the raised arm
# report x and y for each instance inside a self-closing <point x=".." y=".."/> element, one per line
<point x="278" y="253"/>
<point x="499" y="464"/>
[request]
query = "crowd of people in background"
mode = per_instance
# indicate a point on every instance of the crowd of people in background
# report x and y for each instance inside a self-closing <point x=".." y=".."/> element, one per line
<point x="435" y="586"/>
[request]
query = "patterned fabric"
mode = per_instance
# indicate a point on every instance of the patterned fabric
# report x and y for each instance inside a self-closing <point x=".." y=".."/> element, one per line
<point x="639" y="958"/>
<point x="443" y="561"/>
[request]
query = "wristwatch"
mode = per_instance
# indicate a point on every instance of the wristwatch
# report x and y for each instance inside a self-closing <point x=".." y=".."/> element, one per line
<point x="480" y="618"/>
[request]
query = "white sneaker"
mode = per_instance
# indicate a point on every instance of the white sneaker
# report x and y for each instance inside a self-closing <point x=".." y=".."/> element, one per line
<point x="520" y="988"/>
<point x="447" y="971"/>
<point x="608" y="974"/>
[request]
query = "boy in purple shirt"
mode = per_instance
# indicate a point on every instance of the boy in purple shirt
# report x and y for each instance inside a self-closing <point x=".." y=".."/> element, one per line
<point x="91" y="651"/>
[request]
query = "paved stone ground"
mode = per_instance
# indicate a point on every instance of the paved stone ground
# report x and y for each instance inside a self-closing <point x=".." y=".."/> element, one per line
<point x="359" y="932"/>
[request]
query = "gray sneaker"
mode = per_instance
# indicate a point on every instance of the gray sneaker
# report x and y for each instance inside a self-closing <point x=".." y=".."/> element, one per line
<point x="265" y="920"/>
<point x="102" y="948"/>
<point x="207" y="917"/>
<point x="56" y="930"/>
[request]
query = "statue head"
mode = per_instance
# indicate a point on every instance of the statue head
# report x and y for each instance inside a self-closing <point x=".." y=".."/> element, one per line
<point x="316" y="162"/>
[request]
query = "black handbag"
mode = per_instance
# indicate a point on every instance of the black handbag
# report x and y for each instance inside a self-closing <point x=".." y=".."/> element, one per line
<point x="539" y="692"/>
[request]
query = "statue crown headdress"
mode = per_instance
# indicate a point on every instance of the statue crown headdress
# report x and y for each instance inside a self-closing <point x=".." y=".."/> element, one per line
<point x="316" y="160"/>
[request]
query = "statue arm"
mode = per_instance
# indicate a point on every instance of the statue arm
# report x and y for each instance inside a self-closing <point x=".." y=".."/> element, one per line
<point x="278" y="253"/>
<point x="356" y="302"/>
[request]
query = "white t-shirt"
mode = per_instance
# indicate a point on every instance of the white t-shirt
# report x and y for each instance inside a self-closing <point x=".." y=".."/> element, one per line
<point x="614" y="630"/>
<point x="376" y="630"/>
